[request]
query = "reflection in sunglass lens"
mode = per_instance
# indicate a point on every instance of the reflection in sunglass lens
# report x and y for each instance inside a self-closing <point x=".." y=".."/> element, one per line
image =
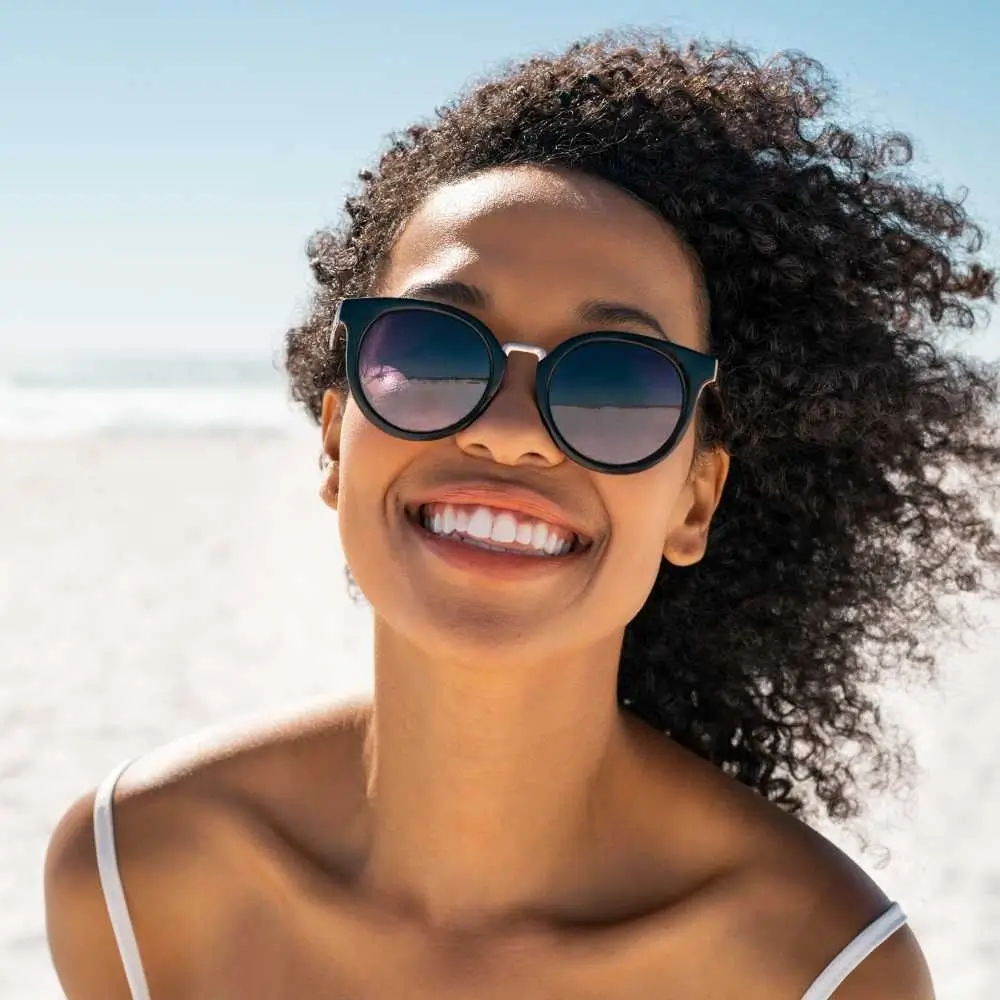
<point x="422" y="371"/>
<point x="616" y="403"/>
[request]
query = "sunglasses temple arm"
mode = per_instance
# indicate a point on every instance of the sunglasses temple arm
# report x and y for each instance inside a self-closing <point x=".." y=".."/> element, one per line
<point x="335" y="324"/>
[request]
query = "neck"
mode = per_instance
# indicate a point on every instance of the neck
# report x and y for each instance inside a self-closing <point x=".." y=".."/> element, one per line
<point x="488" y="782"/>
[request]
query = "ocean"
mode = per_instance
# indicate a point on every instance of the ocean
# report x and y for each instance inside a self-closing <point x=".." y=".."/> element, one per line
<point x="77" y="395"/>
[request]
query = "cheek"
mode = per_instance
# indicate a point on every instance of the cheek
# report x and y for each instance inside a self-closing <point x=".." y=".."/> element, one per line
<point x="356" y="438"/>
<point x="370" y="461"/>
<point x="643" y="505"/>
<point x="643" y="509"/>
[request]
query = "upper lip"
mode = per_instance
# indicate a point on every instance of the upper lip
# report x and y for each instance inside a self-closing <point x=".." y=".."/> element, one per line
<point x="504" y="496"/>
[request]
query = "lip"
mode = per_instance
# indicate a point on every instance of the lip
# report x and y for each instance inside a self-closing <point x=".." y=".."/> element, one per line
<point x="517" y="499"/>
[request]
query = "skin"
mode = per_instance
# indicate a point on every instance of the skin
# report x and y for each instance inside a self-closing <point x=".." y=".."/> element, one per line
<point x="511" y="680"/>
<point x="492" y="819"/>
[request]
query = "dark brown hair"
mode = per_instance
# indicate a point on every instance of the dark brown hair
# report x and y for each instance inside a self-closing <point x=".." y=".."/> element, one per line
<point x="864" y="453"/>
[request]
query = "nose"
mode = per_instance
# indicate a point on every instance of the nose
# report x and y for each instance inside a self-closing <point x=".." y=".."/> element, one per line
<point x="510" y="431"/>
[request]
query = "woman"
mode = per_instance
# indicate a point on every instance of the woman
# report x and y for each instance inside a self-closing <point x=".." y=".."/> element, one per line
<point x="637" y="434"/>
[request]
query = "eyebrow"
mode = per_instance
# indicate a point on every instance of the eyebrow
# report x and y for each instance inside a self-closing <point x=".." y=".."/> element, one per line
<point x="600" y="311"/>
<point x="458" y="293"/>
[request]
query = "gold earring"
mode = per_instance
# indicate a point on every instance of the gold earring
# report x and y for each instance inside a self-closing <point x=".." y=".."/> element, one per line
<point x="328" y="491"/>
<point x="331" y="480"/>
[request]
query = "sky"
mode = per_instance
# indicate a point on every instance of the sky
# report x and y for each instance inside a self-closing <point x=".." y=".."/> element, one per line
<point x="163" y="164"/>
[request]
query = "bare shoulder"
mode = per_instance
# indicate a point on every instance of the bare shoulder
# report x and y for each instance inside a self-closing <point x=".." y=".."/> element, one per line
<point x="764" y="929"/>
<point x="804" y="904"/>
<point x="188" y="822"/>
<point x="772" y="902"/>
<point x="163" y="843"/>
<point x="767" y="930"/>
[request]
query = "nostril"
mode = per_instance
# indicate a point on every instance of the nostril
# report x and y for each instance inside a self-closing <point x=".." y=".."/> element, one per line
<point x="478" y="450"/>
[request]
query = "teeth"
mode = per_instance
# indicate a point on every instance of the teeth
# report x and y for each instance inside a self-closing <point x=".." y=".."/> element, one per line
<point x="538" y="535"/>
<point x="495" y="530"/>
<point x="480" y="524"/>
<point x="504" y="528"/>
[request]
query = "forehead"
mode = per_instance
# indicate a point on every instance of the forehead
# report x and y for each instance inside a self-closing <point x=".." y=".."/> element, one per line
<point x="551" y="239"/>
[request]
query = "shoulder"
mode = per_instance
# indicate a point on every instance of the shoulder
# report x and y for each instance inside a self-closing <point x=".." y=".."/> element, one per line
<point x="897" y="970"/>
<point x="806" y="901"/>
<point x="158" y="850"/>
<point x="773" y="903"/>
<point x="805" y="905"/>
<point x="190" y="820"/>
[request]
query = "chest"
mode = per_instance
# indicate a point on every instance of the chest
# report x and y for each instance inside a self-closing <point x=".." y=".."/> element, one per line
<point x="272" y="955"/>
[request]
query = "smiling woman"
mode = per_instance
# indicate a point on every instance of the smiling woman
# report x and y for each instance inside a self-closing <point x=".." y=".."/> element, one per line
<point x="648" y="460"/>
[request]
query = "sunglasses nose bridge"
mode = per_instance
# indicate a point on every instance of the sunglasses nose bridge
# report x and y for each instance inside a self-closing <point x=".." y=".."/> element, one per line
<point x="514" y="347"/>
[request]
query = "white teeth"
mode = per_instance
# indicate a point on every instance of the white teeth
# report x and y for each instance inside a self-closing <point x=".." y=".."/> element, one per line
<point x="495" y="529"/>
<point x="480" y="524"/>
<point x="538" y="535"/>
<point x="504" y="528"/>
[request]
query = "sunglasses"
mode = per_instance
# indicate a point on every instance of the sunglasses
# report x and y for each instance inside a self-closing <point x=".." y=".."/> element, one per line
<point x="613" y="402"/>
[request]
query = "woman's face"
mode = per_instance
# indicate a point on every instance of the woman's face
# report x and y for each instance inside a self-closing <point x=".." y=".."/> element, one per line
<point x="525" y="250"/>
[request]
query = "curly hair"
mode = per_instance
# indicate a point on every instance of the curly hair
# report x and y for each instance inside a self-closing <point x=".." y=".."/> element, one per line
<point x="864" y="454"/>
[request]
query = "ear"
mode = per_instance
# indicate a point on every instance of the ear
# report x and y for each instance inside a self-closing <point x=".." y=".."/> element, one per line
<point x="686" y="543"/>
<point x="331" y="420"/>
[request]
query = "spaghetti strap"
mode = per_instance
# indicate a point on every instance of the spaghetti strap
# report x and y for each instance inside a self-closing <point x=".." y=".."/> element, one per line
<point x="856" y="952"/>
<point x="111" y="884"/>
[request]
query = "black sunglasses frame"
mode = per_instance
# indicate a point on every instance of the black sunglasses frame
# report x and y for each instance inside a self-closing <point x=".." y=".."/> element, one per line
<point x="357" y="315"/>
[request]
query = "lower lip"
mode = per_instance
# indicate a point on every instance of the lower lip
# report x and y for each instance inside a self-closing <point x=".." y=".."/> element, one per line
<point x="488" y="562"/>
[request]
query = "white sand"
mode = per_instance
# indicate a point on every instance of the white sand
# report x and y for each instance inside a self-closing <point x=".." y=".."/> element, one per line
<point x="152" y="585"/>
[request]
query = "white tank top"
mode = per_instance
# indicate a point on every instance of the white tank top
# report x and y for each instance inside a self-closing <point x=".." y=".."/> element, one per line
<point x="114" y="895"/>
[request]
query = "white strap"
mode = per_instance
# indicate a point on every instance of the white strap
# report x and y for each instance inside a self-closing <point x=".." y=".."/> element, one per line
<point x="111" y="883"/>
<point x="856" y="952"/>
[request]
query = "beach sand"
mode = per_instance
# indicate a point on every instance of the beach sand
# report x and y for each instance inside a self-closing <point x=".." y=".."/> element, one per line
<point x="151" y="585"/>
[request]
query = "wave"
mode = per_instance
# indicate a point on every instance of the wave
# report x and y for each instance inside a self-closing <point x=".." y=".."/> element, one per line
<point x="33" y="413"/>
<point x="74" y="396"/>
<point x="109" y="371"/>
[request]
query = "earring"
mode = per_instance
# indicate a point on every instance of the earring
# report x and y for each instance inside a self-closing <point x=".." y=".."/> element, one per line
<point x="328" y="491"/>
<point x="331" y="481"/>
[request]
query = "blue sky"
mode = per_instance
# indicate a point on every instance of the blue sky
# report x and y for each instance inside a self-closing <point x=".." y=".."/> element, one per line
<point x="162" y="164"/>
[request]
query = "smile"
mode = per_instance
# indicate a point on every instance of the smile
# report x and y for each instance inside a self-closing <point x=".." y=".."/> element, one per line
<point x="497" y="529"/>
<point x="493" y="536"/>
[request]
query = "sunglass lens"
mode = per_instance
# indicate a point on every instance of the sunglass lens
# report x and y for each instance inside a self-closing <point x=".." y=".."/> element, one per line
<point x="616" y="403"/>
<point x="422" y="371"/>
